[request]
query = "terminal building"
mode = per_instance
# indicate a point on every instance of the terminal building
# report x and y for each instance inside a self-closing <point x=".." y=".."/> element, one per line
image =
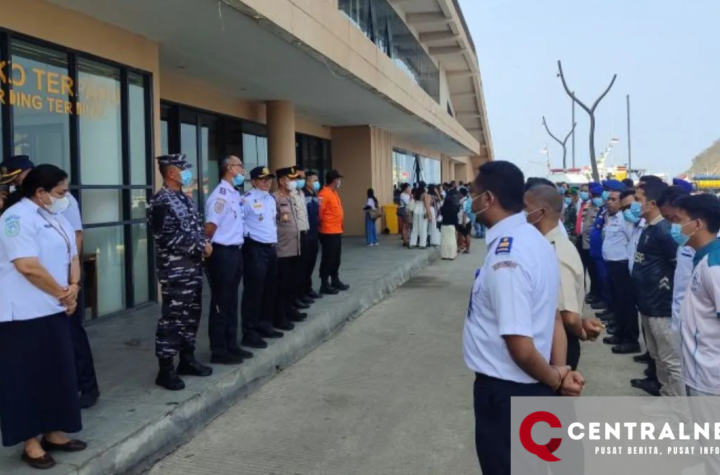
<point x="385" y="91"/>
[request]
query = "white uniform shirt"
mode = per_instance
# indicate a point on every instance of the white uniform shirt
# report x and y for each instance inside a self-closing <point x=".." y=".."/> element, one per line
<point x="260" y="212"/>
<point x="681" y="279"/>
<point x="700" y="322"/>
<point x="72" y="214"/>
<point x="515" y="293"/>
<point x="28" y="231"/>
<point x="633" y="243"/>
<point x="224" y="209"/>
<point x="618" y="233"/>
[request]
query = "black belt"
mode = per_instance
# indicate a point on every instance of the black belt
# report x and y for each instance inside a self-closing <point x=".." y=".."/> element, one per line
<point x="230" y="246"/>
<point x="260" y="244"/>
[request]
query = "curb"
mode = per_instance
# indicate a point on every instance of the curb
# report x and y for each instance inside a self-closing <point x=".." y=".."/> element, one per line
<point x="141" y="449"/>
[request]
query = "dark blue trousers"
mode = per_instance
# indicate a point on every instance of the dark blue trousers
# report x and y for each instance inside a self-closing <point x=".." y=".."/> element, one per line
<point x="84" y="364"/>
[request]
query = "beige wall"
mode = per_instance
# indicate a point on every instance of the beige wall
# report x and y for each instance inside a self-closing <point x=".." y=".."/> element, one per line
<point x="352" y="152"/>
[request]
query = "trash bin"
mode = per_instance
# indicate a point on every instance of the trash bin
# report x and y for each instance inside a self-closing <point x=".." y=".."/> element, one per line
<point x="391" y="219"/>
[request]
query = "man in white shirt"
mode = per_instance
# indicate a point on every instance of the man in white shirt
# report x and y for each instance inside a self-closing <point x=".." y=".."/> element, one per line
<point x="512" y="317"/>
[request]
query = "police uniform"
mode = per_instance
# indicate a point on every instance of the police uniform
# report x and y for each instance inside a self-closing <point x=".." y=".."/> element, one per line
<point x="37" y="367"/>
<point x="179" y="246"/>
<point x="515" y="293"/>
<point x="288" y="252"/>
<point x="302" y="300"/>
<point x="225" y="268"/>
<point x="260" y="263"/>
<point x="10" y="171"/>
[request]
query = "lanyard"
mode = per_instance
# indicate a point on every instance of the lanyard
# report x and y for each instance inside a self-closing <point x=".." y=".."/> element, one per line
<point x="60" y="231"/>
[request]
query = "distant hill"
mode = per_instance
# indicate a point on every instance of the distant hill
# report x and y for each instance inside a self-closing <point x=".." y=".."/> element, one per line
<point x="708" y="162"/>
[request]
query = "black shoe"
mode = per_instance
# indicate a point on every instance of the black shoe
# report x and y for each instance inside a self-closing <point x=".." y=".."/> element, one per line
<point x="72" y="445"/>
<point x="253" y="341"/>
<point x="227" y="358"/>
<point x="189" y="366"/>
<point x="46" y="462"/>
<point x="89" y="398"/>
<point x="284" y="326"/>
<point x="297" y="317"/>
<point x="167" y="376"/>
<point x="327" y="290"/>
<point x="339" y="285"/>
<point x="246" y="355"/>
<point x="271" y="333"/>
<point x="598" y="306"/>
<point x="612" y="340"/>
<point x="650" y="387"/>
<point x="300" y="305"/>
<point x="626" y="348"/>
<point x="314" y="295"/>
<point x="307" y="300"/>
<point x="644" y="358"/>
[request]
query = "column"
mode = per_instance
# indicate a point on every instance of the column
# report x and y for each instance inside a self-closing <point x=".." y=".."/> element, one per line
<point x="281" y="134"/>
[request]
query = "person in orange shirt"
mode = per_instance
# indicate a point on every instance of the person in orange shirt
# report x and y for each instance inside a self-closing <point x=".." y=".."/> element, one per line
<point x="331" y="229"/>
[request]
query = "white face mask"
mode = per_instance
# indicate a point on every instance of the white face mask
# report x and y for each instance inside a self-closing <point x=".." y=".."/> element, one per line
<point x="339" y="182"/>
<point x="57" y="205"/>
<point x="12" y="188"/>
<point x="292" y="185"/>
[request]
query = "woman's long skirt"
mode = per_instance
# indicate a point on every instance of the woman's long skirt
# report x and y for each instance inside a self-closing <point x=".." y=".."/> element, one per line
<point x="448" y="242"/>
<point x="38" y="384"/>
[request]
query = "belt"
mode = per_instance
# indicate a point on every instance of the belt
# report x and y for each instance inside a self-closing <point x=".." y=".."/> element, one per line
<point x="228" y="246"/>
<point x="260" y="244"/>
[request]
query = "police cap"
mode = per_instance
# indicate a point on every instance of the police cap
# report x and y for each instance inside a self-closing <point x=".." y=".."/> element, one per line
<point x="174" y="160"/>
<point x="260" y="172"/>
<point x="290" y="172"/>
<point x="13" y="166"/>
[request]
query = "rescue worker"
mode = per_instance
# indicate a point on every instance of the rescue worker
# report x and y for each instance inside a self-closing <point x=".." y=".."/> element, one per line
<point x="331" y="229"/>
<point x="14" y="170"/>
<point x="308" y="254"/>
<point x="511" y="319"/>
<point x="224" y="228"/>
<point x="180" y="245"/>
<point x="288" y="250"/>
<point x="300" y="300"/>
<point x="260" y="261"/>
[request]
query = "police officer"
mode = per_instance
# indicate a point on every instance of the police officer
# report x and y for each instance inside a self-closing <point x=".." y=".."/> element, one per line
<point x="301" y="299"/>
<point x="13" y="172"/>
<point x="288" y="249"/>
<point x="311" y="245"/>
<point x="224" y="228"/>
<point x="260" y="261"/>
<point x="511" y="319"/>
<point x="180" y="246"/>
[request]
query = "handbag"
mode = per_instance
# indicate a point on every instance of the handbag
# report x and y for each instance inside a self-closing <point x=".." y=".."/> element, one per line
<point x="374" y="214"/>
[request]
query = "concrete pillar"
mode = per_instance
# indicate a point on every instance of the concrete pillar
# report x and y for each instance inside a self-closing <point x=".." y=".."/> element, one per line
<point x="281" y="134"/>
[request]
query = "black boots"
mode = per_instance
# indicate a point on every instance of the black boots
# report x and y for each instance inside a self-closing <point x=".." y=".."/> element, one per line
<point x="168" y="376"/>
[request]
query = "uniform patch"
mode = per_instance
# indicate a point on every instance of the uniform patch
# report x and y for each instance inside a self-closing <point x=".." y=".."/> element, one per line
<point x="219" y="206"/>
<point x="504" y="264"/>
<point x="504" y="246"/>
<point x="223" y="191"/>
<point x="12" y="226"/>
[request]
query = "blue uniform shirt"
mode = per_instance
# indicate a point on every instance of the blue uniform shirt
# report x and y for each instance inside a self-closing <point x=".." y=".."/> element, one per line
<point x="260" y="211"/>
<point x="596" y="236"/>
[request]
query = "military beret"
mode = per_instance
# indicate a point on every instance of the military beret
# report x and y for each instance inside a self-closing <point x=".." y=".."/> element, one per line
<point x="260" y="172"/>
<point x="613" y="185"/>
<point x="573" y="191"/>
<point x="174" y="160"/>
<point x="289" y="172"/>
<point x="685" y="185"/>
<point x="596" y="189"/>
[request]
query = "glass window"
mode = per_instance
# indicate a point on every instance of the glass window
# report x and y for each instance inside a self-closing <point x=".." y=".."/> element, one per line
<point x="431" y="171"/>
<point x="188" y="145"/>
<point x="107" y="244"/>
<point x="99" y="121"/>
<point x="255" y="153"/>
<point x="41" y="107"/>
<point x="141" y="278"/>
<point x="138" y="203"/>
<point x="403" y="167"/>
<point x="210" y="153"/>
<point x="138" y="129"/>
<point x="101" y="206"/>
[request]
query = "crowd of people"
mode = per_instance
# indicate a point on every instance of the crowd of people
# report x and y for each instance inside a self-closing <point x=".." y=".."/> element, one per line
<point x="271" y="240"/>
<point x="644" y="256"/>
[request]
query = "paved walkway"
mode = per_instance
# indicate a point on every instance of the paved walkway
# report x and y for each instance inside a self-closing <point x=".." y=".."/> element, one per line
<point x="136" y="422"/>
<point x="389" y="395"/>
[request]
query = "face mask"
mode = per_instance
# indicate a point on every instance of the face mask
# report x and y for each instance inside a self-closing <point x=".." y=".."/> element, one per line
<point x="635" y="209"/>
<point x="57" y="205"/>
<point x="561" y="190"/>
<point x="568" y="201"/>
<point x="238" y="180"/>
<point x="186" y="177"/>
<point x="12" y="188"/>
<point x="630" y="217"/>
<point x="597" y="202"/>
<point x="443" y="194"/>
<point x="339" y="182"/>
<point x="584" y="195"/>
<point x="292" y="185"/>
<point x="478" y="213"/>
<point x="527" y="216"/>
<point x="605" y="195"/>
<point x="316" y="186"/>
<point x="677" y="234"/>
<point x="301" y="183"/>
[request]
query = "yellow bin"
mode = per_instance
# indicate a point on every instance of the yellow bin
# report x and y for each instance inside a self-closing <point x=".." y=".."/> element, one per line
<point x="391" y="219"/>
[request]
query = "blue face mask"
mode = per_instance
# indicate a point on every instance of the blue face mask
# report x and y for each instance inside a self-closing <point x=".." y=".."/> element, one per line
<point x="300" y="183"/>
<point x="567" y="200"/>
<point x="584" y="195"/>
<point x="597" y="202"/>
<point x="635" y="209"/>
<point x="677" y="234"/>
<point x="238" y="180"/>
<point x="316" y="186"/>
<point x="605" y="195"/>
<point x="561" y="190"/>
<point x="186" y="177"/>
<point x="630" y="217"/>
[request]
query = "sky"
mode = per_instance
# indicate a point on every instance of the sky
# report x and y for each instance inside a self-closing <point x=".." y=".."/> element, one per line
<point x="664" y="52"/>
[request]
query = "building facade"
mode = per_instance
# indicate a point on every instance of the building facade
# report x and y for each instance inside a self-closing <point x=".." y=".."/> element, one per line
<point x="386" y="91"/>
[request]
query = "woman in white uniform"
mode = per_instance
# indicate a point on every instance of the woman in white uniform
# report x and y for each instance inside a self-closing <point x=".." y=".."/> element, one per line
<point x="39" y="283"/>
<point x="421" y="214"/>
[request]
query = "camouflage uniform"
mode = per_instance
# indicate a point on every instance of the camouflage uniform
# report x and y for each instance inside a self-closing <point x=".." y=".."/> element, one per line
<point x="179" y="245"/>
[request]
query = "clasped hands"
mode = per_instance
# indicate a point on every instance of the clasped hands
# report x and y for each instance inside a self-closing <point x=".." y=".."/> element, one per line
<point x="68" y="298"/>
<point x="571" y="382"/>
